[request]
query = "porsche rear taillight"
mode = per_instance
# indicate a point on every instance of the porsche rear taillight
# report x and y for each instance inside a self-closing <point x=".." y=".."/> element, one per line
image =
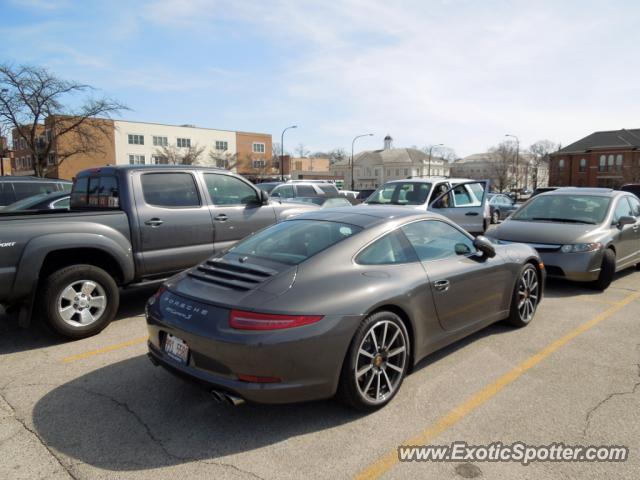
<point x="242" y="320"/>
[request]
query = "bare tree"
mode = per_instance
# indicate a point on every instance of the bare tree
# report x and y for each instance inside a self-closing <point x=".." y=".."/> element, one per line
<point x="192" y="155"/>
<point x="224" y="159"/>
<point x="173" y="155"/>
<point x="302" y="151"/>
<point x="501" y="165"/>
<point x="540" y="152"/>
<point x="32" y="94"/>
<point x="338" y="155"/>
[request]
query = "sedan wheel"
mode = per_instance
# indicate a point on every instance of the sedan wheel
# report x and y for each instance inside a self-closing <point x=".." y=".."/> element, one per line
<point x="525" y="297"/>
<point x="377" y="362"/>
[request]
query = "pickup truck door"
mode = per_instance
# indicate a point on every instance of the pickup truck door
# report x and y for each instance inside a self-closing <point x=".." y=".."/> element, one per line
<point x="176" y="231"/>
<point x="466" y="204"/>
<point x="236" y="209"/>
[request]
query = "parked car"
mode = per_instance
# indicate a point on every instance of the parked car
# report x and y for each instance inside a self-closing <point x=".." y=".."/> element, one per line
<point x="304" y="189"/>
<point x="350" y="195"/>
<point x="345" y="300"/>
<point x="16" y="188"/>
<point x="540" y="190"/>
<point x="462" y="200"/>
<point x="632" y="188"/>
<point x="268" y="186"/>
<point x="129" y="225"/>
<point x="582" y="234"/>
<point x="363" y="195"/>
<point x="42" y="201"/>
<point x="324" y="202"/>
<point x="501" y="206"/>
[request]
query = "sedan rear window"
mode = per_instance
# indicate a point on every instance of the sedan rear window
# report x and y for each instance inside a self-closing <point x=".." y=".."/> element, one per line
<point x="295" y="241"/>
<point x="588" y="209"/>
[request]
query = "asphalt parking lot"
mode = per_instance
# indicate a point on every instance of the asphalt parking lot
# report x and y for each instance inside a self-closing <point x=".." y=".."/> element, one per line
<point x="97" y="408"/>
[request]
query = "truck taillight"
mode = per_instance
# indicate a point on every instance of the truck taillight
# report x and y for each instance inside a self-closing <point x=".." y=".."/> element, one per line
<point x="242" y="320"/>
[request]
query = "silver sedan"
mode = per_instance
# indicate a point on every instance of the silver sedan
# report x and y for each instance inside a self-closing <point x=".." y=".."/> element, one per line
<point x="582" y="234"/>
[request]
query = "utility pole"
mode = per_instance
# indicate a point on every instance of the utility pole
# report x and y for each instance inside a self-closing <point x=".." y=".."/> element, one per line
<point x="352" y="144"/>
<point x="282" y="152"/>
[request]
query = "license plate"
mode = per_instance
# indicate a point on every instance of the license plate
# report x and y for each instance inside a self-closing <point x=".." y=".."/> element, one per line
<point x="176" y="348"/>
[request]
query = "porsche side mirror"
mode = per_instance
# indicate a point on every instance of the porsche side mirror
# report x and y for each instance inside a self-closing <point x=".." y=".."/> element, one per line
<point x="483" y="244"/>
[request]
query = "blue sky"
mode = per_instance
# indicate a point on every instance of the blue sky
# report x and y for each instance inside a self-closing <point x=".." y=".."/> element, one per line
<point x="457" y="72"/>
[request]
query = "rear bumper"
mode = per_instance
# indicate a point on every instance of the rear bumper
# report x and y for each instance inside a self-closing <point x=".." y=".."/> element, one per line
<point x="307" y="360"/>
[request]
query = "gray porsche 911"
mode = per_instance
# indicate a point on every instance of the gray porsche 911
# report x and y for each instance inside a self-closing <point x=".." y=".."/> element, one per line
<point x="342" y="301"/>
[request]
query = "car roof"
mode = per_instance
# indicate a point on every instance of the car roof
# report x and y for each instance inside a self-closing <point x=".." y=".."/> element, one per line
<point x="31" y="179"/>
<point x="115" y="168"/>
<point x="364" y="216"/>
<point x="602" y="192"/>
<point x="430" y="179"/>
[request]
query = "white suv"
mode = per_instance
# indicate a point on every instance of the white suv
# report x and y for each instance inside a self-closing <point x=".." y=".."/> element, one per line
<point x="462" y="200"/>
<point x="304" y="189"/>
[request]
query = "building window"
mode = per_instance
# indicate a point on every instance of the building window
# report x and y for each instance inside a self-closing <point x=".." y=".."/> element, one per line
<point x="397" y="172"/>
<point x="156" y="159"/>
<point x="222" y="145"/>
<point x="619" y="162"/>
<point x="610" y="162"/>
<point x="603" y="163"/>
<point x="136" y="159"/>
<point x="51" y="159"/>
<point x="258" y="148"/>
<point x="376" y="172"/>
<point x="184" y="142"/>
<point x="561" y="164"/>
<point x="298" y="164"/>
<point x="160" y="141"/>
<point x="582" y="166"/>
<point x="136" y="139"/>
<point x="388" y="172"/>
<point x="222" y="163"/>
<point x="258" y="164"/>
<point x="406" y="172"/>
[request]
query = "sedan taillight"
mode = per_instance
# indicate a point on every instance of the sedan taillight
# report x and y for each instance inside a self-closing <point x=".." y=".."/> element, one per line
<point x="241" y="320"/>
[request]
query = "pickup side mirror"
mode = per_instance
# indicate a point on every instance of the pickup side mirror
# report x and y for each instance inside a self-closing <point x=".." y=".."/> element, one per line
<point x="625" y="220"/>
<point x="483" y="244"/>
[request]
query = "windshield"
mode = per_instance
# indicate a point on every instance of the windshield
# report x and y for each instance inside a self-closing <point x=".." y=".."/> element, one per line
<point x="401" y="193"/>
<point x="294" y="241"/>
<point x="589" y="209"/>
<point x="26" y="203"/>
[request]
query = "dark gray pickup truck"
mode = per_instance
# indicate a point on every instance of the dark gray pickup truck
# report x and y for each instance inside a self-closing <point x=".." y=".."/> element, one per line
<point x="128" y="225"/>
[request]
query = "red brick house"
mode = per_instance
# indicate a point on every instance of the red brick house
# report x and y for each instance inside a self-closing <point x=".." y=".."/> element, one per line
<point x="602" y="159"/>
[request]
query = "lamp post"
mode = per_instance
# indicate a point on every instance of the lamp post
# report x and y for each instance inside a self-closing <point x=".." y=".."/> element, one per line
<point x="430" y="150"/>
<point x="517" y="161"/>
<point x="282" y="152"/>
<point x="3" y="91"/>
<point x="352" y="145"/>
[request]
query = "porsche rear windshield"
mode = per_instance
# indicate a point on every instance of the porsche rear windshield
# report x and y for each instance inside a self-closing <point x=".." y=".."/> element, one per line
<point x="295" y="241"/>
<point x="401" y="193"/>
<point x="587" y="209"/>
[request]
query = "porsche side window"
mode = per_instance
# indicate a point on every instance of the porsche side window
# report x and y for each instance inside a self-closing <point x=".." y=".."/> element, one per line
<point x="388" y="250"/>
<point x="434" y="240"/>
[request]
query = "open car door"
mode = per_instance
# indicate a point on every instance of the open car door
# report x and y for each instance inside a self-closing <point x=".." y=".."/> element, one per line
<point x="466" y="204"/>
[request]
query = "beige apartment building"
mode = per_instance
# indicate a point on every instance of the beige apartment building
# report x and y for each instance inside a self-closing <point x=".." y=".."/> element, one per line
<point x="123" y="142"/>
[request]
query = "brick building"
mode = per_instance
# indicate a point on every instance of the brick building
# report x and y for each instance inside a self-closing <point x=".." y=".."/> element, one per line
<point x="602" y="159"/>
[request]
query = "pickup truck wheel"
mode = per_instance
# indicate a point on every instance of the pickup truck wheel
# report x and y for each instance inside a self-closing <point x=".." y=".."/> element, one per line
<point x="80" y="300"/>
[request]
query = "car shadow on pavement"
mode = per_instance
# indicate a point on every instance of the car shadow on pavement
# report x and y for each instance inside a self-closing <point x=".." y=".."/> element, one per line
<point x="14" y="338"/>
<point x="560" y="288"/>
<point x="133" y="416"/>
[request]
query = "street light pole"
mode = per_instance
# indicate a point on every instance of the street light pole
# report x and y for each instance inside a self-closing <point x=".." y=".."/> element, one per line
<point x="517" y="161"/>
<point x="352" y="145"/>
<point x="3" y="91"/>
<point x="282" y="152"/>
<point x="430" y="149"/>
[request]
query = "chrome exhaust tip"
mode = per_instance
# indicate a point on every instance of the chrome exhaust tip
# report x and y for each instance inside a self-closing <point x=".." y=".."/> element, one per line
<point x="227" y="398"/>
<point x="217" y="396"/>
<point x="233" y="400"/>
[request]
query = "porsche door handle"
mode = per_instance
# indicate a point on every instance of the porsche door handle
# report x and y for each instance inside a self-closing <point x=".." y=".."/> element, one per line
<point x="441" y="285"/>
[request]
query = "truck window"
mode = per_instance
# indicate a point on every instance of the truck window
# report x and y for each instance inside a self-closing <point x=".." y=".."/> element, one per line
<point x="305" y="191"/>
<point x="79" y="193"/>
<point x="6" y="194"/>
<point x="227" y="190"/>
<point x="170" y="190"/>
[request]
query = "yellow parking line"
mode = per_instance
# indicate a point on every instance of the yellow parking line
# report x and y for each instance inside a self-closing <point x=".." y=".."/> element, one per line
<point x="389" y="460"/>
<point x="110" y="348"/>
